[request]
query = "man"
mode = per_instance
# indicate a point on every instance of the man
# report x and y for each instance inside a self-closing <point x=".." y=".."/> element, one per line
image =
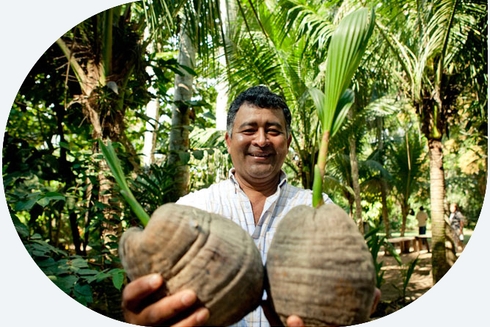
<point x="456" y="220"/>
<point x="422" y="220"/>
<point x="256" y="196"/>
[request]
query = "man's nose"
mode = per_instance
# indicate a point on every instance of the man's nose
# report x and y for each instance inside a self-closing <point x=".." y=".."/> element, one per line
<point x="261" y="138"/>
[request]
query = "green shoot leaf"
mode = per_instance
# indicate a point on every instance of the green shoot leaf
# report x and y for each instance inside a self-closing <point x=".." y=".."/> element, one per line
<point x="347" y="46"/>
<point x="115" y="166"/>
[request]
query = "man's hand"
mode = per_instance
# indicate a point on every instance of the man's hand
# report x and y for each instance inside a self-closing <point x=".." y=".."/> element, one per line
<point x="163" y="311"/>
<point x="273" y="318"/>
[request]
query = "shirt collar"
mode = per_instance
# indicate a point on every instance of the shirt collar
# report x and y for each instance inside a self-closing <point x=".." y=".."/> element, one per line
<point x="231" y="176"/>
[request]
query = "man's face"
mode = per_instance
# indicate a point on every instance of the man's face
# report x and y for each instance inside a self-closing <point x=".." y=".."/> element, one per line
<point x="258" y="144"/>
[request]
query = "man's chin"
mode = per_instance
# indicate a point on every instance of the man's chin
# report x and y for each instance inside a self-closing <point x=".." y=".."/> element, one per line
<point x="261" y="173"/>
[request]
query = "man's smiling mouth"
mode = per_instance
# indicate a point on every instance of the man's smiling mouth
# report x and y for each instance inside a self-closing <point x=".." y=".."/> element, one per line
<point x="260" y="155"/>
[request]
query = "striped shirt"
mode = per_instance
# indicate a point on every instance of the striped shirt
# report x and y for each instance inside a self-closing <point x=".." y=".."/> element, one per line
<point x="228" y="199"/>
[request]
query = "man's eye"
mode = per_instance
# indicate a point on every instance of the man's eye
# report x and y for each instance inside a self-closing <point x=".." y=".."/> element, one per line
<point x="274" y="132"/>
<point x="248" y="131"/>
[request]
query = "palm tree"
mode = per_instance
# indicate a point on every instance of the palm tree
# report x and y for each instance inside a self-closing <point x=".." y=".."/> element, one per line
<point x="429" y="41"/>
<point x="286" y="50"/>
<point x="105" y="60"/>
<point x="203" y="35"/>
<point x="261" y="51"/>
<point x="405" y="155"/>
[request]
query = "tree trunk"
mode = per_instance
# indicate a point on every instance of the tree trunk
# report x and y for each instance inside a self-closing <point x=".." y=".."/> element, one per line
<point x="384" y="183"/>
<point x="384" y="208"/>
<point x="405" y="210"/>
<point x="355" y="181"/>
<point x="442" y="257"/>
<point x="179" y="135"/>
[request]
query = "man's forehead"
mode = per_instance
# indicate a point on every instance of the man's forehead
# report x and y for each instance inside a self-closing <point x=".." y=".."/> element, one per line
<point x="255" y="123"/>
<point x="247" y="118"/>
<point x="250" y="106"/>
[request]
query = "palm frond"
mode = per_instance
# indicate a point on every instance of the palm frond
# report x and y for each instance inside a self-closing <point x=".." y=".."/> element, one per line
<point x="344" y="55"/>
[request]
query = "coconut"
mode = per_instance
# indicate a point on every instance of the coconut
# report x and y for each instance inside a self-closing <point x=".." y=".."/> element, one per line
<point x="320" y="268"/>
<point x="197" y="250"/>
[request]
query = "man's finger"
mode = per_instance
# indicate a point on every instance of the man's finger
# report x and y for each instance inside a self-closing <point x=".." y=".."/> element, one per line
<point x="139" y="289"/>
<point x="198" y="318"/>
<point x="294" y="321"/>
<point x="377" y="297"/>
<point x="168" y="309"/>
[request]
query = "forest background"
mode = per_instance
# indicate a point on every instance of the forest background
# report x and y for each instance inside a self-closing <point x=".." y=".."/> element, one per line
<point x="49" y="196"/>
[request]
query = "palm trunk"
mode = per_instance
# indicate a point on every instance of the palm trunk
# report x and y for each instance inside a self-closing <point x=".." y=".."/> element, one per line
<point x="355" y="177"/>
<point x="179" y="135"/>
<point x="384" y="209"/>
<point x="442" y="257"/>
<point x="384" y="184"/>
<point x="405" y="210"/>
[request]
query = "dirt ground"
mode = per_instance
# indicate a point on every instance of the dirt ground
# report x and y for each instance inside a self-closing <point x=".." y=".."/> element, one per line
<point x="420" y="280"/>
<point x="419" y="283"/>
<point x="391" y="289"/>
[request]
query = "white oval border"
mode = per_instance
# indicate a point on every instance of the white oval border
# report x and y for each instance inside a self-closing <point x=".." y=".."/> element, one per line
<point x="27" y="29"/>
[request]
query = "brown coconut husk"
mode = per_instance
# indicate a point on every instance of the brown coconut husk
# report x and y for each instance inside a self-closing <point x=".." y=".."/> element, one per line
<point x="198" y="250"/>
<point x="320" y="268"/>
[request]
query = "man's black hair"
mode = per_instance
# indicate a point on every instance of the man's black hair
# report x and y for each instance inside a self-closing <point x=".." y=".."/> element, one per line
<point x="261" y="97"/>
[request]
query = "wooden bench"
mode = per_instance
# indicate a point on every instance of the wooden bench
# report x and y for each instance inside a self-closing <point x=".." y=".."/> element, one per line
<point x="404" y="243"/>
<point x="420" y="240"/>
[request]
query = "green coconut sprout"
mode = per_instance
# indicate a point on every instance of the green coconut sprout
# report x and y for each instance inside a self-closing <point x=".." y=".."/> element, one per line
<point x="347" y="46"/>
<point x="115" y="166"/>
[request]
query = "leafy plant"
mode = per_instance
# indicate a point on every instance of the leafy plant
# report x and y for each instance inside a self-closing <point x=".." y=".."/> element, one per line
<point x="375" y="242"/>
<point x="71" y="273"/>
<point x="347" y="46"/>
<point x="154" y="187"/>
<point x="406" y="271"/>
<point x="115" y="166"/>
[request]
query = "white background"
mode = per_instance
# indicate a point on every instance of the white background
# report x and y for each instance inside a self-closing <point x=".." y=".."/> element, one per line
<point x="27" y="29"/>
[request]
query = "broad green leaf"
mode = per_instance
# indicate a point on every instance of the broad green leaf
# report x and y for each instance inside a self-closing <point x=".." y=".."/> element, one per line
<point x="83" y="293"/>
<point x="66" y="283"/>
<point x="50" y="196"/>
<point x="87" y="272"/>
<point x="79" y="263"/>
<point x="29" y="203"/>
<point x="100" y="276"/>
<point x="46" y="263"/>
<point x="117" y="278"/>
<point x="21" y="229"/>
<point x="184" y="157"/>
<point x="346" y="48"/>
<point x="198" y="154"/>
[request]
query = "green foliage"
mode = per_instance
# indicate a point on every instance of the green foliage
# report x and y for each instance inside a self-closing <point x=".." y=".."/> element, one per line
<point x="154" y="186"/>
<point x="375" y="243"/>
<point x="210" y="161"/>
<point x="71" y="273"/>
<point x="406" y="272"/>
<point x="115" y="166"/>
<point x="346" y="48"/>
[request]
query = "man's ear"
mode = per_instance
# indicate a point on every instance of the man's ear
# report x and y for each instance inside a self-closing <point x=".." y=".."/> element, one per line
<point x="228" y="141"/>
